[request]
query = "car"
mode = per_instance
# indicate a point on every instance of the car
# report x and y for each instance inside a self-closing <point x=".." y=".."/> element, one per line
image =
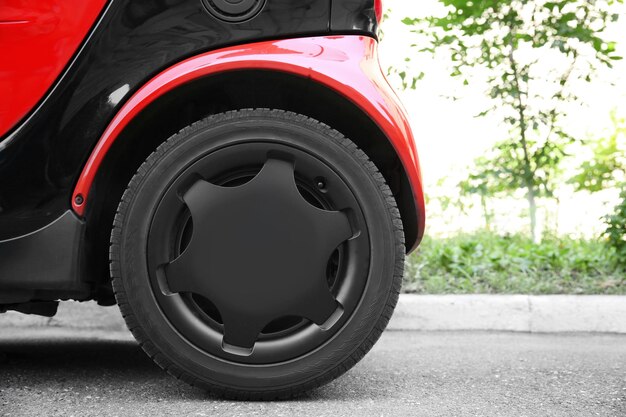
<point x="238" y="176"/>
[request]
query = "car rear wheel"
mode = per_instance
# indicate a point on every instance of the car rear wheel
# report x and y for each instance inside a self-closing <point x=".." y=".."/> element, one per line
<point x="257" y="254"/>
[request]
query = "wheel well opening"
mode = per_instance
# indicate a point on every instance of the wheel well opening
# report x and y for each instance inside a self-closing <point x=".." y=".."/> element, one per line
<point x="218" y="93"/>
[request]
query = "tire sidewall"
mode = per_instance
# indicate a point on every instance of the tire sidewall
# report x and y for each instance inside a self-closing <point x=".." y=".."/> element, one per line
<point x="181" y="151"/>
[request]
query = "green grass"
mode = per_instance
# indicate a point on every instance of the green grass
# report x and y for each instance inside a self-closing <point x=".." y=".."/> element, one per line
<point x="487" y="263"/>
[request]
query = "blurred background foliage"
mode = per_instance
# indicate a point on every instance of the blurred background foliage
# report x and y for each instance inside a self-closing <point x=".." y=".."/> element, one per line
<point x="484" y="262"/>
<point x="533" y="62"/>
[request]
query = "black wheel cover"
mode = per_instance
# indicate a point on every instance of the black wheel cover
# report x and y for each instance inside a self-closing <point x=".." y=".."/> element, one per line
<point x="258" y="252"/>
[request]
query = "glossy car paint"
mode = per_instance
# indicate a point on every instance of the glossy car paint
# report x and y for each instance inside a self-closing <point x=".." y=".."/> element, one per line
<point x="134" y="40"/>
<point x="37" y="40"/>
<point x="136" y="51"/>
<point x="346" y="64"/>
<point x="354" y="16"/>
<point x="378" y="9"/>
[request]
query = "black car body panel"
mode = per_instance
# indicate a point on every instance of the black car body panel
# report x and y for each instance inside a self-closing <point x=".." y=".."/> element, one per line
<point x="41" y="158"/>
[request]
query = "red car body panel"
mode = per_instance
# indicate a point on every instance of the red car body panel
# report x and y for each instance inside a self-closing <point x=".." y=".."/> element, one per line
<point x="37" y="40"/>
<point x="346" y="64"/>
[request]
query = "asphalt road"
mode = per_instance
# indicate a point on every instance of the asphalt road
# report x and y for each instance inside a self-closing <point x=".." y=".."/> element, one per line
<point x="56" y="371"/>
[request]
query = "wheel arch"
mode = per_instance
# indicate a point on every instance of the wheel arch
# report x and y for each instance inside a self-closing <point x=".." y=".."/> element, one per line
<point x="240" y="88"/>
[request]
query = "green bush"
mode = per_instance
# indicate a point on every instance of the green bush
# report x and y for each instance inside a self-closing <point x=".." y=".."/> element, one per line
<point x="488" y="263"/>
<point x="616" y="229"/>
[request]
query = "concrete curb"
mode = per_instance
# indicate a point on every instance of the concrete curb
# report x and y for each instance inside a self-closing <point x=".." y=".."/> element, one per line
<point x="517" y="313"/>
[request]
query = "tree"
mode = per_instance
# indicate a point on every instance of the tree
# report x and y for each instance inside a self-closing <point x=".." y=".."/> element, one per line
<point x="616" y="228"/>
<point x="607" y="169"/>
<point x="477" y="183"/>
<point x="510" y="40"/>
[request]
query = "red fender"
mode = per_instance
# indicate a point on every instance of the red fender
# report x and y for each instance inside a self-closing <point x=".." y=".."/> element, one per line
<point x="346" y="64"/>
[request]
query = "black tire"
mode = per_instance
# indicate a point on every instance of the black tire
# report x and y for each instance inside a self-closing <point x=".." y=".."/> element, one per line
<point x="365" y="279"/>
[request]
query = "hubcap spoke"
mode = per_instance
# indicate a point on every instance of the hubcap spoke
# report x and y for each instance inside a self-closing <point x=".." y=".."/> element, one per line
<point x="259" y="252"/>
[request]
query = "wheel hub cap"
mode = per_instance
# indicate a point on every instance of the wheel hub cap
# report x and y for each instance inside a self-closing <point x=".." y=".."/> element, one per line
<point x="259" y="252"/>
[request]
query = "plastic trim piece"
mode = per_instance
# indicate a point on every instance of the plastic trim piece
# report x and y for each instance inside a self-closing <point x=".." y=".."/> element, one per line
<point x="47" y="259"/>
<point x="346" y="64"/>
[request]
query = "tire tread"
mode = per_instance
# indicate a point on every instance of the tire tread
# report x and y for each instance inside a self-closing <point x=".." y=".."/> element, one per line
<point x="286" y="393"/>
